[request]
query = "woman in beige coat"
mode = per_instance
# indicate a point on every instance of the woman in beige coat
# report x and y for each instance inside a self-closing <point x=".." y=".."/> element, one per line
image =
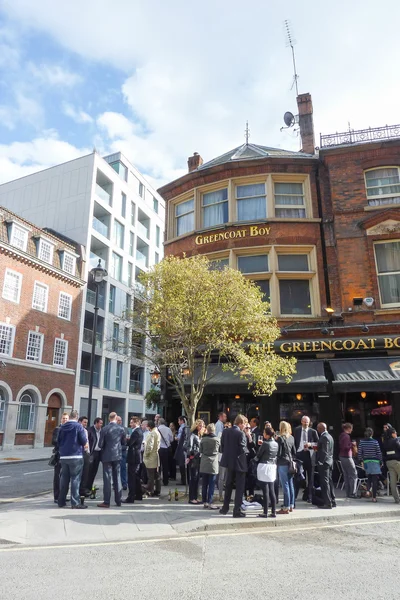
<point x="151" y="459"/>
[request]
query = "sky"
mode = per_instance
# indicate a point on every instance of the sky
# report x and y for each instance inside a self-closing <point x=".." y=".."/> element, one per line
<point x="160" y="80"/>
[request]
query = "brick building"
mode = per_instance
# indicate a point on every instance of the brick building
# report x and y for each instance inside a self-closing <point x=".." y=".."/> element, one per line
<point x="40" y="308"/>
<point x="319" y="231"/>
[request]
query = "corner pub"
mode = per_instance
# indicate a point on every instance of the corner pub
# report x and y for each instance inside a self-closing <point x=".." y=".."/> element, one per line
<point x="319" y="231"/>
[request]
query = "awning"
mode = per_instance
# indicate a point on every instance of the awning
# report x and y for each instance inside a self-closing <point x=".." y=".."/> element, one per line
<point x="310" y="377"/>
<point x="366" y="374"/>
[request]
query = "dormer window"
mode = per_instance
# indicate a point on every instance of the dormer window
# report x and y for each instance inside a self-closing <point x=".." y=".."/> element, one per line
<point x="68" y="262"/>
<point x="383" y="186"/>
<point x="45" y="251"/>
<point x="19" y="236"/>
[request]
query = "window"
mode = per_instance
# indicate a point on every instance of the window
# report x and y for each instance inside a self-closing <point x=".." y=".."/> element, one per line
<point x="123" y="205"/>
<point x="218" y="264"/>
<point x="118" y="376"/>
<point x="131" y="243"/>
<point x="295" y="297"/>
<point x="19" y="237"/>
<point x="34" y="348"/>
<point x="155" y="205"/>
<point x="130" y="274"/>
<point x="121" y="169"/>
<point x="45" y="251"/>
<point x="141" y="189"/>
<point x="289" y="201"/>
<point x="116" y="266"/>
<point x="383" y="186"/>
<point x="263" y="284"/>
<point x="40" y="296"/>
<point x="118" y="234"/>
<point x="388" y="267"/>
<point x="115" y="337"/>
<point x="127" y="336"/>
<point x="215" y="208"/>
<point x="293" y="262"/>
<point x="133" y="210"/>
<point x="60" y="353"/>
<point x="158" y="235"/>
<point x="69" y="263"/>
<point x="7" y="334"/>
<point x="184" y="216"/>
<point x="253" y="264"/>
<point x="111" y="300"/>
<point x="65" y="306"/>
<point x="12" y="286"/>
<point x="26" y="413"/>
<point x="251" y="202"/>
<point x="2" y="409"/>
<point x="156" y="258"/>
<point x="107" y="373"/>
<point x="128" y="303"/>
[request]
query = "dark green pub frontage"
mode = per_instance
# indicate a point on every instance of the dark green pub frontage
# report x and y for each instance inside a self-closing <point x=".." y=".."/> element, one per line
<point x="338" y="379"/>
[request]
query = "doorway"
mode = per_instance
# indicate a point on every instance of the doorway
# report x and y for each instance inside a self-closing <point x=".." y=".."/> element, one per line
<point x="52" y="418"/>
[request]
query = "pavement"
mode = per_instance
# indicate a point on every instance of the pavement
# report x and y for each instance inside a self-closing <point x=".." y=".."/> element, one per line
<point x="24" y="455"/>
<point x="38" y="521"/>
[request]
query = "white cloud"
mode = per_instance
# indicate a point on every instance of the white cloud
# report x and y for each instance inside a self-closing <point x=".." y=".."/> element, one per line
<point x="21" y="158"/>
<point x="54" y="75"/>
<point x="77" y="115"/>
<point x="25" y="109"/>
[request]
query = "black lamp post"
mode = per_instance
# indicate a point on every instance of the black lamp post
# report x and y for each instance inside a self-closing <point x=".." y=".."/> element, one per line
<point x="97" y="275"/>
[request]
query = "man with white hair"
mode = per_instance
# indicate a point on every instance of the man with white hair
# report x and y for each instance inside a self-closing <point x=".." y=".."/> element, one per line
<point x="306" y="440"/>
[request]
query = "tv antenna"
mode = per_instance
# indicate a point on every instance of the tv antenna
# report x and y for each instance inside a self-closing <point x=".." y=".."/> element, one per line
<point x="291" y="42"/>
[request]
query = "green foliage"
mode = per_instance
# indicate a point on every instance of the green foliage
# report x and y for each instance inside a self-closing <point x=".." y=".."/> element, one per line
<point x="152" y="397"/>
<point x="190" y="312"/>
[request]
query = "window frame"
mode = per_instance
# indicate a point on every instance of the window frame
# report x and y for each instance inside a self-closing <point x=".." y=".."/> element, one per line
<point x="133" y="213"/>
<point x="203" y="192"/>
<point x="244" y="182"/>
<point x="20" y="278"/>
<point x="32" y="413"/>
<point x="113" y="266"/>
<point x="51" y="245"/>
<point x="386" y="305"/>
<point x="3" y="404"/>
<point x="277" y="180"/>
<point x="176" y="217"/>
<point x="24" y="230"/>
<point x="70" y="306"/>
<point x="46" y="287"/>
<point x="73" y="258"/>
<point x="120" y="228"/>
<point x="65" y="343"/>
<point x="12" y="340"/>
<point x="381" y="196"/>
<point x="41" y="337"/>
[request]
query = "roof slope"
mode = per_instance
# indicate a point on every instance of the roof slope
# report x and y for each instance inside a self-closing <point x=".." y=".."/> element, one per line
<point x="252" y="152"/>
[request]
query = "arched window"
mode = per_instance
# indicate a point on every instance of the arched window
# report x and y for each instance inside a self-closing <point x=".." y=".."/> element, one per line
<point x="2" y="408"/>
<point x="26" y="413"/>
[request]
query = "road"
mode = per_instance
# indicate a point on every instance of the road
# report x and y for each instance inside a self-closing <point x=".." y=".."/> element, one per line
<point x="349" y="562"/>
<point x="22" y="479"/>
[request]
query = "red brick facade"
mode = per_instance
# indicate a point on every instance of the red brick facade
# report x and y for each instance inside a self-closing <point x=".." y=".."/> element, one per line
<point x="41" y="379"/>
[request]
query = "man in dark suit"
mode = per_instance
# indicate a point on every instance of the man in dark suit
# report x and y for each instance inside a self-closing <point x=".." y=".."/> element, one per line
<point x="94" y="449"/>
<point x="133" y="457"/>
<point x="255" y="429"/>
<point x="234" y="451"/>
<point x="325" y="466"/>
<point x="112" y="438"/>
<point x="305" y="439"/>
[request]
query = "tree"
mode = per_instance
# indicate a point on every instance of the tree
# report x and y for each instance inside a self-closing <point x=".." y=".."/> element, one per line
<point x="192" y="313"/>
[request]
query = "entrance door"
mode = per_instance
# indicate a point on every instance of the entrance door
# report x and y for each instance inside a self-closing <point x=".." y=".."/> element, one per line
<point x="52" y="418"/>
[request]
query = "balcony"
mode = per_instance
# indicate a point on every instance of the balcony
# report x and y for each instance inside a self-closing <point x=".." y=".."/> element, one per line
<point x="142" y="230"/>
<point x="360" y="136"/>
<point x="91" y="299"/>
<point x="88" y="338"/>
<point x="141" y="259"/>
<point x="135" y="386"/>
<point x="103" y="195"/>
<point x="84" y="378"/>
<point x="100" y="227"/>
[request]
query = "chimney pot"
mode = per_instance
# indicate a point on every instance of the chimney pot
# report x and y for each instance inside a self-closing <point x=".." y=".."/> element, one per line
<point x="304" y="103"/>
<point x="194" y="162"/>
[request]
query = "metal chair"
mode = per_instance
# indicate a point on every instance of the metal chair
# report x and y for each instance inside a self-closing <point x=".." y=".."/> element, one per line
<point x="361" y="477"/>
<point x="341" y="476"/>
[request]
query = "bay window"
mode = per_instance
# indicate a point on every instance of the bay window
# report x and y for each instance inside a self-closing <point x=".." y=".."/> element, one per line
<point x="184" y="217"/>
<point x="215" y="208"/>
<point x="289" y="200"/>
<point x="251" y="202"/>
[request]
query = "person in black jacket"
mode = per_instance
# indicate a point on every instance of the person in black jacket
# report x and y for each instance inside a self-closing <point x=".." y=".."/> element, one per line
<point x="391" y="446"/>
<point x="234" y="453"/>
<point x="286" y="454"/>
<point x="251" y="453"/>
<point x="133" y="457"/>
<point x="57" y="466"/>
<point x="266" y="470"/>
<point x="306" y="440"/>
<point x="94" y="450"/>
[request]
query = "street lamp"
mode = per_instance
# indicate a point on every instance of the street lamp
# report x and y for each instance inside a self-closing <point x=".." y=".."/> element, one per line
<point x="155" y="376"/>
<point x="97" y="275"/>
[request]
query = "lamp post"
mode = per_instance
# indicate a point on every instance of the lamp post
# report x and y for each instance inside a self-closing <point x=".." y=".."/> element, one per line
<point x="97" y="275"/>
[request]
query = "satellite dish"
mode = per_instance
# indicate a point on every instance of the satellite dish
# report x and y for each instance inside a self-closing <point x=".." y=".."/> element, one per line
<point x="289" y="119"/>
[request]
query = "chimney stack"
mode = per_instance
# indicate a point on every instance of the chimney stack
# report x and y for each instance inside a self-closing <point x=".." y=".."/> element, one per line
<point x="306" y="123"/>
<point x="194" y="162"/>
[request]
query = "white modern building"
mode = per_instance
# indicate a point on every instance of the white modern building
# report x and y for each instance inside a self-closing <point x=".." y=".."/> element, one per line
<point x="106" y="205"/>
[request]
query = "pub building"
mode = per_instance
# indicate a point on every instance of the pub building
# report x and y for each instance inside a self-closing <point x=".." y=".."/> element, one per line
<point x="319" y="231"/>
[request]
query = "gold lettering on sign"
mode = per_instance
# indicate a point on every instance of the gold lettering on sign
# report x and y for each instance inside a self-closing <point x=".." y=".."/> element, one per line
<point x="251" y="231"/>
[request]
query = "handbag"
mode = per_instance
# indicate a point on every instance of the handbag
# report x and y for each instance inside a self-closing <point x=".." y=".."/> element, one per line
<point x="54" y="459"/>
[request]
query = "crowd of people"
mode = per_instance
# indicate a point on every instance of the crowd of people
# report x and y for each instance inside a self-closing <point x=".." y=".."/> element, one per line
<point x="256" y="461"/>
